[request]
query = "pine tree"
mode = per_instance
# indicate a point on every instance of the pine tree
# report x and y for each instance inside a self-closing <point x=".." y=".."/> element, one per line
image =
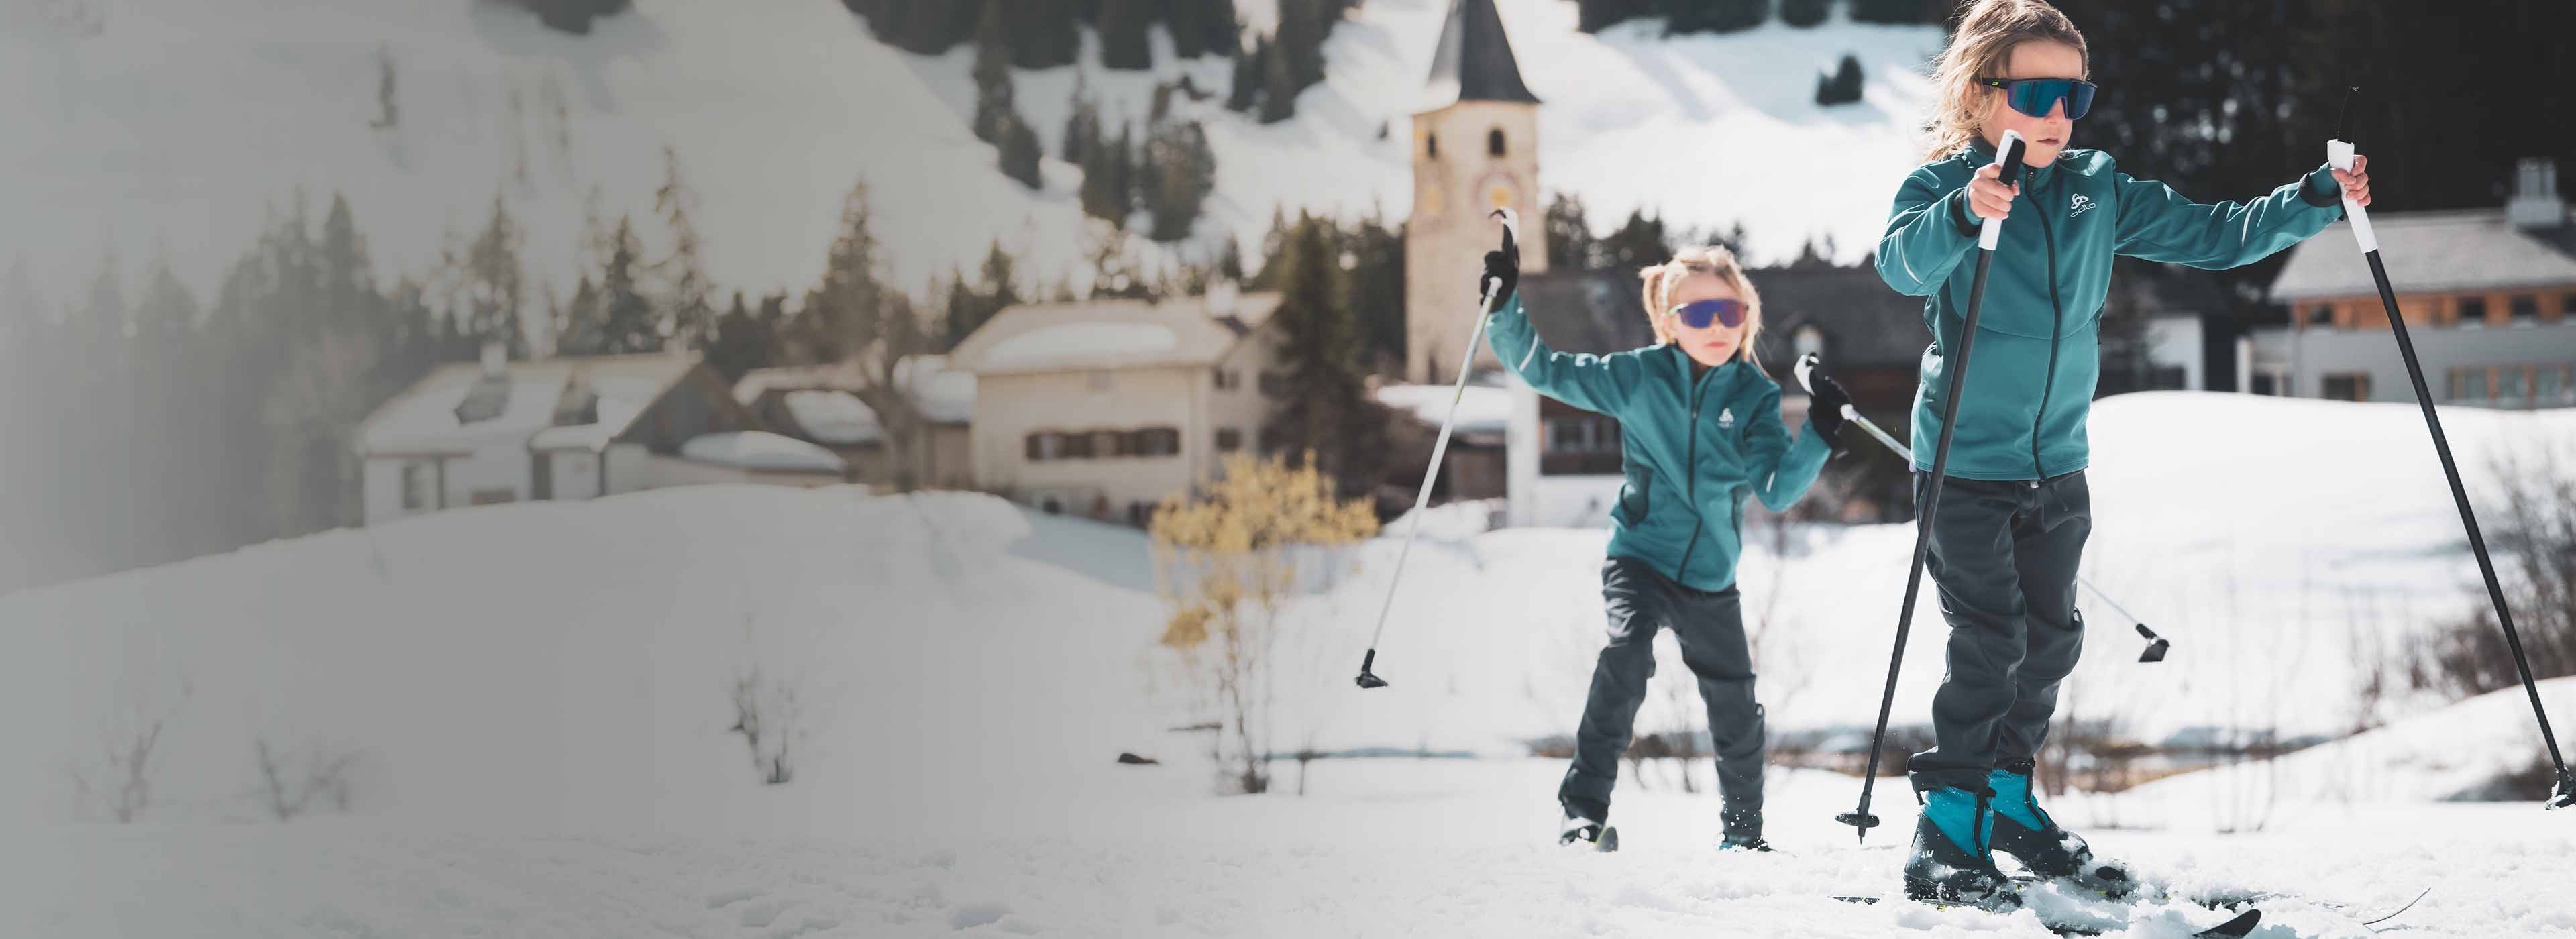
<point x="1278" y="84"/>
<point x="1081" y="125"/>
<point x="878" y="329"/>
<point x="1123" y="44"/>
<point x="1570" y="244"/>
<point x="629" y="323"/>
<point x="1805" y="14"/>
<point x="682" y="272"/>
<point x="993" y="93"/>
<point x="1323" y="414"/>
<point x="1223" y="30"/>
<point x="1186" y="21"/>
<point x="581" y="326"/>
<point x="1639" y="242"/>
<point x="1249" y="72"/>
<point x="1021" y="151"/>
<point x="1841" y="87"/>
<point x="1182" y="174"/>
<point x="1044" y="34"/>
<point x="1109" y="179"/>
<point x="1890" y="11"/>
<point x="495" y="284"/>
<point x="1300" y="43"/>
<point x="1229" y="263"/>
<point x="1376" y="282"/>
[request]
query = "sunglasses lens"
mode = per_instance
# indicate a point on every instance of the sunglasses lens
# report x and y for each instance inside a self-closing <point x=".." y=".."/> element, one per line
<point x="2037" y="96"/>
<point x="2079" y="99"/>
<point x="1699" y="315"/>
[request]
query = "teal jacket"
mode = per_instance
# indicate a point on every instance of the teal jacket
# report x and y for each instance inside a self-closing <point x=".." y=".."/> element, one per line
<point x="1692" y="446"/>
<point x="2039" y="352"/>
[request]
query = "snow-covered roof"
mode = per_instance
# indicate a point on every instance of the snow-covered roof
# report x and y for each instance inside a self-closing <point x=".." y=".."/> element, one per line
<point x="762" y="451"/>
<point x="1108" y="334"/>
<point x="1483" y="408"/>
<point x="612" y="390"/>
<point x="944" y="395"/>
<point x="2426" y="251"/>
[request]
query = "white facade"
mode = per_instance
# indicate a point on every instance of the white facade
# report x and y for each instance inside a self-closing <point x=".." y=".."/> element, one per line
<point x="2174" y="342"/>
<point x="1565" y="501"/>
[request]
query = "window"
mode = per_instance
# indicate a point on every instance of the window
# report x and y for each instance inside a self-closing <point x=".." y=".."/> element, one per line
<point x="2318" y="314"/>
<point x="419" y="484"/>
<point x="1228" y="440"/>
<point x="494" y="496"/>
<point x="1109" y="443"/>
<point x="1431" y="144"/>
<point x="2567" y="305"/>
<point x="1494" y="142"/>
<point x="2473" y="312"/>
<point x="2513" y="385"/>
<point x="2548" y="385"/>
<point x="1228" y="379"/>
<point x="2266" y="383"/>
<point x="2347" y="386"/>
<point x="1073" y="446"/>
<point x="1573" y="435"/>
<point x="2469" y="385"/>
<point x="1046" y="445"/>
<point x="1157" y="441"/>
<point x="2526" y="310"/>
<point x="1579" y="444"/>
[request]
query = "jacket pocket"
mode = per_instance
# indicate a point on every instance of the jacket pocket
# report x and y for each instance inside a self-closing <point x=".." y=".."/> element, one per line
<point x="1635" y="495"/>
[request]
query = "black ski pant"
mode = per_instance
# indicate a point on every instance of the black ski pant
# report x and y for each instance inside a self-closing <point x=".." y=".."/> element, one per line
<point x="1710" y="627"/>
<point x="2004" y="555"/>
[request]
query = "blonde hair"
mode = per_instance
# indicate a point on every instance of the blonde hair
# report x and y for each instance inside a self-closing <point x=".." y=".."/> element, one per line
<point x="1713" y="260"/>
<point x="1980" y="47"/>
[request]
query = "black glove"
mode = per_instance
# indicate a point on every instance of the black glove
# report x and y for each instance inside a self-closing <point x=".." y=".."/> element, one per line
<point x="1825" y="403"/>
<point x="1502" y="266"/>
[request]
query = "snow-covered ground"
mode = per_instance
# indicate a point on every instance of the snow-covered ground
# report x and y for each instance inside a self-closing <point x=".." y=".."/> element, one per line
<point x="533" y="705"/>
<point x="173" y="127"/>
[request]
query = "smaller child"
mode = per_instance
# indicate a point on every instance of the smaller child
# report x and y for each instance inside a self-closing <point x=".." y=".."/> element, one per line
<point x="1700" y="431"/>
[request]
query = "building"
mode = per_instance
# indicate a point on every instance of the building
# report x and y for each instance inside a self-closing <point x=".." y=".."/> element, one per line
<point x="2487" y="295"/>
<point x="1475" y="148"/>
<point x="820" y="404"/>
<point x="1103" y="408"/>
<point x="479" y="433"/>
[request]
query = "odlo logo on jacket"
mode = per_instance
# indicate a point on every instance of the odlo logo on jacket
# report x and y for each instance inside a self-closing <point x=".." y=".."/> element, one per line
<point x="2083" y="204"/>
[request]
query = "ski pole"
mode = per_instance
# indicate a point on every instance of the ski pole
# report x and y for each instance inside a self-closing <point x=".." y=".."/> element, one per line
<point x="2340" y="154"/>
<point x="2156" y="645"/>
<point x="1511" y="240"/>
<point x="2008" y="154"/>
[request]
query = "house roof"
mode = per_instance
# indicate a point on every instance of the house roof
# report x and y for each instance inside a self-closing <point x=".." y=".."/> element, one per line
<point x="761" y="451"/>
<point x="548" y="404"/>
<point x="1863" y="323"/>
<point x="1586" y="311"/>
<point x="1109" y="334"/>
<point x="1473" y="61"/>
<point x="1485" y="408"/>
<point x="823" y="398"/>
<point x="2430" y="251"/>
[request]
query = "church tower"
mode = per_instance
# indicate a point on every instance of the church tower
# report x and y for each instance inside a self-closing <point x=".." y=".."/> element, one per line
<point x="1475" y="148"/>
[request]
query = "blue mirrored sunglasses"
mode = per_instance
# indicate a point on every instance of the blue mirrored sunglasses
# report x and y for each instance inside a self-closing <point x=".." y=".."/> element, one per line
<point x="2035" y="96"/>
<point x="1698" y="315"/>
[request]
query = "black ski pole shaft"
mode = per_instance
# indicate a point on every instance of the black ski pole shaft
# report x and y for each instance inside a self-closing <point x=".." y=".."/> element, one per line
<point x="2008" y="155"/>
<point x="1368" y="678"/>
<point x="2340" y="153"/>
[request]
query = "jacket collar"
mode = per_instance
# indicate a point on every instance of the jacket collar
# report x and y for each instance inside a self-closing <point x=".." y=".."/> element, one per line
<point x="1980" y="153"/>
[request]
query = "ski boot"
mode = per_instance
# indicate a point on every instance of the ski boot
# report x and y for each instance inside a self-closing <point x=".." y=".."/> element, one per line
<point x="2026" y="832"/>
<point x="1952" y="861"/>
<point x="1579" y="830"/>
<point x="1743" y="832"/>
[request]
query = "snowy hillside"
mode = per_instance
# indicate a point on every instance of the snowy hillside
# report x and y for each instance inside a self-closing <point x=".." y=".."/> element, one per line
<point x="173" y="127"/>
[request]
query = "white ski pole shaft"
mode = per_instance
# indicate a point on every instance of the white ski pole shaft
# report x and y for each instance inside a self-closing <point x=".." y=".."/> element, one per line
<point x="1431" y="474"/>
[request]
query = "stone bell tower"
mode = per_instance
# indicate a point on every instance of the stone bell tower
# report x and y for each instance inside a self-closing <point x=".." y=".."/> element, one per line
<point x="1475" y="148"/>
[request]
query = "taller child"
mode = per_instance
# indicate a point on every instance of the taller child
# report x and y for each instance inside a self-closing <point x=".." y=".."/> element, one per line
<point x="2014" y="512"/>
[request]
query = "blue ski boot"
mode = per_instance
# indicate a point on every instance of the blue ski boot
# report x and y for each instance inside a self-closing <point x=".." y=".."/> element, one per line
<point x="1953" y="861"/>
<point x="2026" y="832"/>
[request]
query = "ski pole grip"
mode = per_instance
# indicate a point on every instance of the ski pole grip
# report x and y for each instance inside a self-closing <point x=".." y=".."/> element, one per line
<point x="2339" y="155"/>
<point x="1806" y="368"/>
<point x="2007" y="155"/>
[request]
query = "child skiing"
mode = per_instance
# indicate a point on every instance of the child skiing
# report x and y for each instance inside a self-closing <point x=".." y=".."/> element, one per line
<point x="2013" y="513"/>
<point x="1700" y="430"/>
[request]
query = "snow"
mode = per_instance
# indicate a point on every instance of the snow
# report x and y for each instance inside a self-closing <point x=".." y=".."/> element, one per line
<point x="761" y="450"/>
<point x="1480" y="407"/>
<point x="834" y="417"/>
<point x="424" y="416"/>
<point x="203" y="118"/>
<point x="1075" y="341"/>
<point x="536" y="696"/>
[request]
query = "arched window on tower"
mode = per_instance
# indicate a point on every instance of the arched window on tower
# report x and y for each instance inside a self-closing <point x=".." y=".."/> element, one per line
<point x="1808" y="339"/>
<point x="1494" y="141"/>
<point x="1431" y="144"/>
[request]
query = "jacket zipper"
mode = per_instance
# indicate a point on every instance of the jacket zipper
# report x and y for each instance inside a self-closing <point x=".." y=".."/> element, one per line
<point x="1690" y="474"/>
<point x="2055" y="316"/>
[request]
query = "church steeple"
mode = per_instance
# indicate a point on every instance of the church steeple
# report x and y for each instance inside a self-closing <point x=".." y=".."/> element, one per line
<point x="1473" y="61"/>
